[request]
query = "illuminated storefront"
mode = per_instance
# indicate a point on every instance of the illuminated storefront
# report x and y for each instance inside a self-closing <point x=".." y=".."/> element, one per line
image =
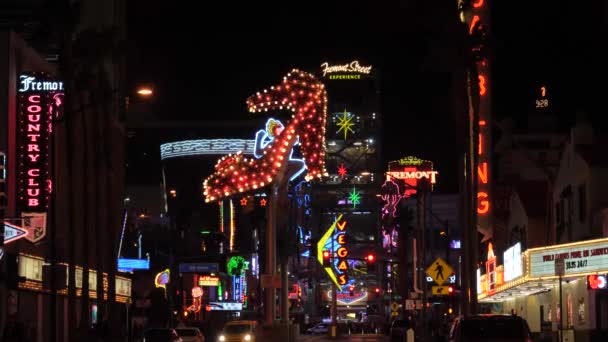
<point x="527" y="285"/>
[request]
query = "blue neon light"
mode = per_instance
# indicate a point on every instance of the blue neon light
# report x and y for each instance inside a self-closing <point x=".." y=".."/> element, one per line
<point x="265" y="136"/>
<point x="133" y="264"/>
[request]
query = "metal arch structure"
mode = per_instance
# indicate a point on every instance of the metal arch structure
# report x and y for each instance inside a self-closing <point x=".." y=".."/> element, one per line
<point x="206" y="147"/>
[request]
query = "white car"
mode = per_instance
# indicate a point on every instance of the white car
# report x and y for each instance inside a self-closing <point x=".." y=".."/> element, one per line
<point x="321" y="328"/>
<point x="241" y="331"/>
<point x="190" y="334"/>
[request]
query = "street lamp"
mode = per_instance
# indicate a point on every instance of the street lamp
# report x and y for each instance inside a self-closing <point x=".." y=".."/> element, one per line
<point x="145" y="91"/>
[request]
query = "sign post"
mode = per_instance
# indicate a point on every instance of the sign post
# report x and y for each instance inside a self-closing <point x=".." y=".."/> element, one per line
<point x="559" y="271"/>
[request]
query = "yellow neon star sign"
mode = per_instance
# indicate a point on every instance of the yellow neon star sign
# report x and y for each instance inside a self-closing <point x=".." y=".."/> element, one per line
<point x="345" y="123"/>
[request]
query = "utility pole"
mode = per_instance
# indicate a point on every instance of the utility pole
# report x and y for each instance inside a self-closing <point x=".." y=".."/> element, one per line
<point x="271" y="262"/>
<point x="421" y="205"/>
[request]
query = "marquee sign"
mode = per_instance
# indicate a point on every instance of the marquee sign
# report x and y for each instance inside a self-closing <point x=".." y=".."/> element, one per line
<point x="579" y="258"/>
<point x="512" y="262"/>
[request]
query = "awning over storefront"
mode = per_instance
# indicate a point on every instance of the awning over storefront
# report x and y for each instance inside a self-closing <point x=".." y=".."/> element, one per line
<point x="539" y="273"/>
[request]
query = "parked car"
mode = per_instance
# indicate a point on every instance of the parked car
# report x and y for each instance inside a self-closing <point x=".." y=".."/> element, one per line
<point x="161" y="335"/>
<point x="238" y="331"/>
<point x="490" y="328"/>
<point x="190" y="334"/>
<point x="320" y="328"/>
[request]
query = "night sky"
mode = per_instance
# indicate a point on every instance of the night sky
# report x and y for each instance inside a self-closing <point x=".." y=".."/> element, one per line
<point x="204" y="61"/>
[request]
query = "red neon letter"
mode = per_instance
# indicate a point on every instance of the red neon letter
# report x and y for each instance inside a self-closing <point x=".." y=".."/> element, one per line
<point x="482" y="172"/>
<point x="342" y="239"/>
<point x="483" y="205"/>
<point x="34" y="109"/>
<point x="341" y="226"/>
<point x="342" y="265"/>
<point x="33" y="202"/>
<point x="33" y="192"/>
<point x="342" y="252"/>
<point x="33" y="117"/>
<point x="480" y="144"/>
<point x="31" y="182"/>
<point x="478" y="4"/>
<point x="33" y="172"/>
<point x="32" y="128"/>
<point x="33" y="148"/>
<point x="473" y="22"/>
<point x="482" y="85"/>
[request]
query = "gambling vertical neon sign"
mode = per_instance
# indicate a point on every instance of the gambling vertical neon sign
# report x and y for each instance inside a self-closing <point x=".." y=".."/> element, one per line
<point x="476" y="15"/>
<point x="39" y="100"/>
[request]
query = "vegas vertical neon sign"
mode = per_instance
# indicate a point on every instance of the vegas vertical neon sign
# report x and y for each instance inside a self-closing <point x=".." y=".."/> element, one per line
<point x="476" y="14"/>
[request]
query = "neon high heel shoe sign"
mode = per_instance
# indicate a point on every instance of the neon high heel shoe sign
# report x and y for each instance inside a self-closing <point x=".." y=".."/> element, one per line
<point x="306" y="97"/>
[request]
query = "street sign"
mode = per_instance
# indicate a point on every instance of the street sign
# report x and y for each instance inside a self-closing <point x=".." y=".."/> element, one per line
<point x="440" y="271"/>
<point x="394" y="306"/>
<point x="13" y="233"/>
<point x="409" y="304"/>
<point x="440" y="290"/>
<point x="560" y="268"/>
<point x="198" y="267"/>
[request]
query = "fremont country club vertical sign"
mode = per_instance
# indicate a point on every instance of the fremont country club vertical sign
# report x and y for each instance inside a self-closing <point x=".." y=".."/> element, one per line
<point x="39" y="99"/>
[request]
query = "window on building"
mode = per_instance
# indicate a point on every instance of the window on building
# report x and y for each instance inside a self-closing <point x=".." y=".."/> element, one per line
<point x="582" y="202"/>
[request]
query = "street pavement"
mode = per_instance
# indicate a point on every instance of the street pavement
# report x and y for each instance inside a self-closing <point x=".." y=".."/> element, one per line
<point x="354" y="338"/>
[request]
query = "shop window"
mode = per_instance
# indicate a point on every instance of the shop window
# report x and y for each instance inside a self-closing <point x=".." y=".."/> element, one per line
<point x="581" y="310"/>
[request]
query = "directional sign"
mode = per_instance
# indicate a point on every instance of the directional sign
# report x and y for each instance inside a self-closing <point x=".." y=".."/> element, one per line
<point x="440" y="271"/>
<point x="440" y="290"/>
<point x="321" y="246"/>
<point x="13" y="233"/>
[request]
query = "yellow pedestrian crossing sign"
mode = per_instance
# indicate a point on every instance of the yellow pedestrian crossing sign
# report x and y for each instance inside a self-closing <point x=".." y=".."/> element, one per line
<point x="440" y="271"/>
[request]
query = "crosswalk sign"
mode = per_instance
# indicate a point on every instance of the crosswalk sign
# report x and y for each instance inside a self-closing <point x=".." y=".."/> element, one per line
<point x="440" y="271"/>
<point x="441" y="290"/>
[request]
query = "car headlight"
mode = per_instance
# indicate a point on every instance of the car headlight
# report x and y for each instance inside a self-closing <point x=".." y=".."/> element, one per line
<point x="247" y="337"/>
<point x="222" y="338"/>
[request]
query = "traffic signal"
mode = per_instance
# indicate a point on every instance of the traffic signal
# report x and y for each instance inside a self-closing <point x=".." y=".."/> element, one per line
<point x="371" y="262"/>
<point x="326" y="258"/>
<point x="451" y="290"/>
<point x="351" y="290"/>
